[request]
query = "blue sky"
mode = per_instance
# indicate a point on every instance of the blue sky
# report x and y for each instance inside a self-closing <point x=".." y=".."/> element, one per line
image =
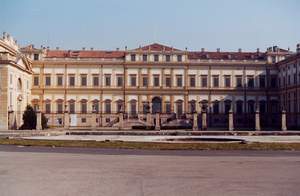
<point x="196" y="24"/>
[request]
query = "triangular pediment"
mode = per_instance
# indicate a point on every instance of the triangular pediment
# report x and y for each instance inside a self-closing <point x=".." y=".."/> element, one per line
<point x="156" y="47"/>
<point x="23" y="62"/>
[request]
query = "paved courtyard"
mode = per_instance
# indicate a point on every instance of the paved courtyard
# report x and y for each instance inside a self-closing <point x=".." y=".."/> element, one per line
<point x="33" y="171"/>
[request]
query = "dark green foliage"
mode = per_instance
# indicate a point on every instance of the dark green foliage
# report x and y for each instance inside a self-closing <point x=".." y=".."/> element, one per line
<point x="29" y="118"/>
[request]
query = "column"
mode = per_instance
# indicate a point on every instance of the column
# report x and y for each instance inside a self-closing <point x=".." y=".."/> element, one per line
<point x="38" y="120"/>
<point x="230" y="119"/>
<point x="257" y="120"/>
<point x="148" y="119"/>
<point x="195" y="121"/>
<point x="204" y="120"/>
<point x="283" y="120"/>
<point x="157" y="121"/>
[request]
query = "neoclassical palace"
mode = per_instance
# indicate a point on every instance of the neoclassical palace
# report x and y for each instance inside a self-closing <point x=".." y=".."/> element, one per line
<point x="94" y="87"/>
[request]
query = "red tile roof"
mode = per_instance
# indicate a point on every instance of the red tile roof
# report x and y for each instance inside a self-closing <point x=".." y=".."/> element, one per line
<point x="84" y="54"/>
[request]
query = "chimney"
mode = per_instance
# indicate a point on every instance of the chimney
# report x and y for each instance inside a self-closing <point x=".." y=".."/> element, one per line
<point x="83" y="48"/>
<point x="186" y="48"/>
<point x="257" y="50"/>
<point x="117" y="49"/>
<point x="298" y="48"/>
<point x="240" y="50"/>
<point x="125" y="47"/>
<point x="57" y="48"/>
<point x="202" y="49"/>
<point x="4" y="35"/>
<point x="218" y="49"/>
<point x="48" y="48"/>
<point x="92" y="48"/>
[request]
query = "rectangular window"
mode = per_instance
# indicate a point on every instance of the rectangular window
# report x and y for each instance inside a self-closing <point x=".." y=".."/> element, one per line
<point x="250" y="81"/>
<point x="156" y="58"/>
<point x="168" y="81"/>
<point x="145" y="57"/>
<point x="179" y="58"/>
<point x="168" y="58"/>
<point x="239" y="83"/>
<point x="107" y="79"/>
<point x="59" y="80"/>
<point x="227" y="81"/>
<point x="145" y="81"/>
<point x="59" y="107"/>
<point x="83" y="80"/>
<point x="179" y="80"/>
<point x="295" y="78"/>
<point x="10" y="78"/>
<point x="119" y="80"/>
<point x="132" y="57"/>
<point x="215" y="81"/>
<point x="262" y="81"/>
<point x="133" y="80"/>
<point x="71" y="80"/>
<point x="83" y="120"/>
<point x="36" y="80"/>
<point x="48" y="80"/>
<point x="95" y="80"/>
<point x="48" y="108"/>
<point x="192" y="81"/>
<point x="204" y="81"/>
<point x="156" y="80"/>
<point x="36" y="57"/>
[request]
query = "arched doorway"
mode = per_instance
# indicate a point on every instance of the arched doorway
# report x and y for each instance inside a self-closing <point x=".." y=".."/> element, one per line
<point x="156" y="105"/>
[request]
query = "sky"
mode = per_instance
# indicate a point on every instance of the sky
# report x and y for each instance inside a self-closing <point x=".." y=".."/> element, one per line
<point x="111" y="24"/>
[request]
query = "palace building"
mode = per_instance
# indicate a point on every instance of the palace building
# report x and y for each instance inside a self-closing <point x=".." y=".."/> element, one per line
<point x="94" y="87"/>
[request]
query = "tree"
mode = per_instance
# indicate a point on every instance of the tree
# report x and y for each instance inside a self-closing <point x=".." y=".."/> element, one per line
<point x="29" y="118"/>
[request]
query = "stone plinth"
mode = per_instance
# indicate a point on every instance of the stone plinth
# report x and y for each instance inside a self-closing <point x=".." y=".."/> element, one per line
<point x="157" y="121"/>
<point x="121" y="120"/>
<point x="66" y="120"/>
<point x="230" y="121"/>
<point x="257" y="120"/>
<point x="94" y="120"/>
<point x="38" y="120"/>
<point x="195" y="121"/>
<point x="204" y="120"/>
<point x="283" y="120"/>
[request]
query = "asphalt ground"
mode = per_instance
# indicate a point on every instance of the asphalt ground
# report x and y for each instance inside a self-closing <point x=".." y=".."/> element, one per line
<point x="49" y="171"/>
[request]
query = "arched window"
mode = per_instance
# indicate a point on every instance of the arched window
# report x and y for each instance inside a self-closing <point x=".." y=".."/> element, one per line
<point x="192" y="106"/>
<point x="204" y="105"/>
<point x="239" y="107"/>
<point x="95" y="106"/>
<point x="72" y="106"/>
<point x="59" y="106"/>
<point x="84" y="106"/>
<point x="107" y="106"/>
<point x="119" y="105"/>
<point x="179" y="107"/>
<point x="146" y="107"/>
<point x="227" y="106"/>
<point x="133" y="107"/>
<point x="262" y="106"/>
<point x="216" y="107"/>
<point x="48" y="106"/>
<point x="251" y="108"/>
